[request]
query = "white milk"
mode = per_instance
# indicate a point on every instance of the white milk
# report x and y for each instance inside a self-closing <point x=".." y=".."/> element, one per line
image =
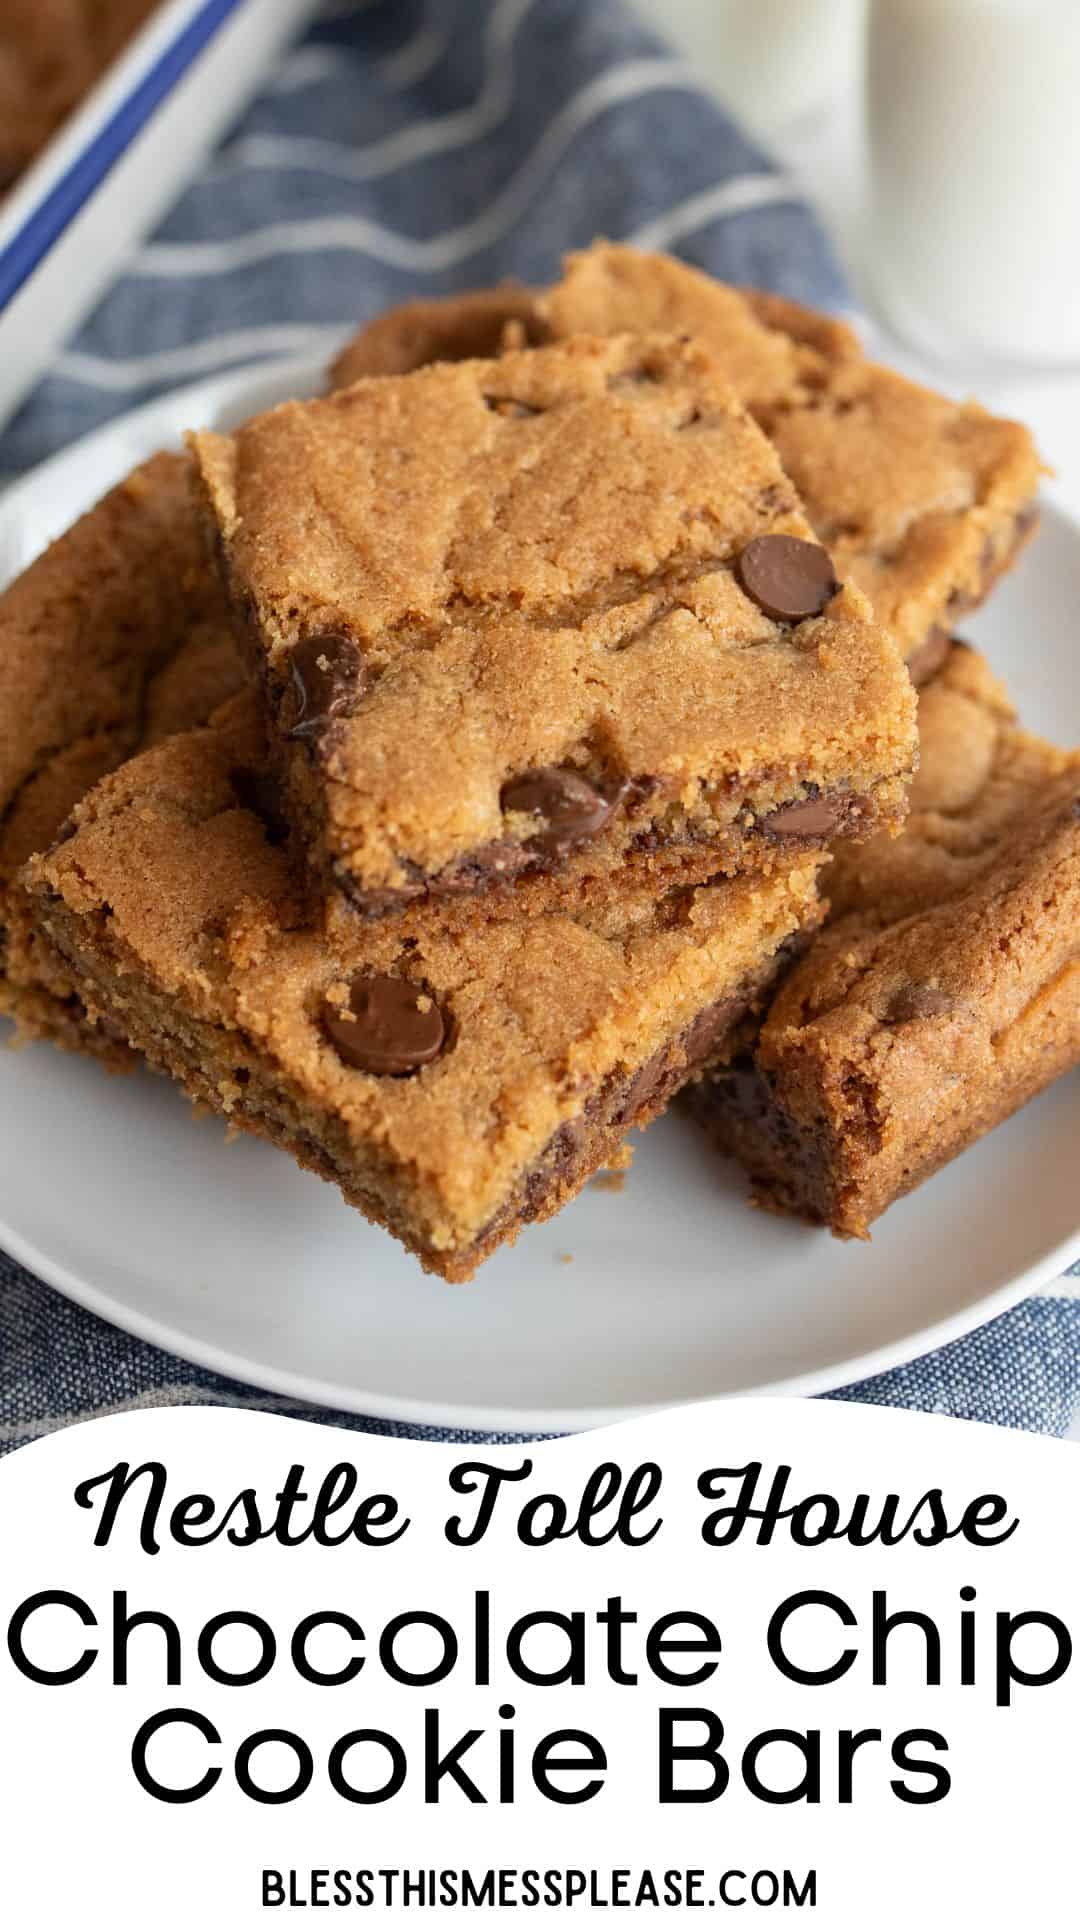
<point x="973" y="123"/>
<point x="771" y="61"/>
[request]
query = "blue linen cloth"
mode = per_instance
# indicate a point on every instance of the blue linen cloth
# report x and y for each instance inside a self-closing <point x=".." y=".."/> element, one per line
<point x="403" y="149"/>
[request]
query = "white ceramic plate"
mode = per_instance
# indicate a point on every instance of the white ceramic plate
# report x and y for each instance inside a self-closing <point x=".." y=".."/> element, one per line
<point x="674" y="1288"/>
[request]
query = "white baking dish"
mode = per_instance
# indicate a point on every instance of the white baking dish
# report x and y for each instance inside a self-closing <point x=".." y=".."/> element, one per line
<point x="119" y="161"/>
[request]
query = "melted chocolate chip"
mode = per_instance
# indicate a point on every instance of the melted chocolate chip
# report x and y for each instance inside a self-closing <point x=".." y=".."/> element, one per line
<point x="652" y="1085"/>
<point x="705" y="1034"/>
<point x="556" y="1165"/>
<point x="1026" y="520"/>
<point x="803" y="819"/>
<point x="788" y="579"/>
<point x="568" y="807"/>
<point x="328" y="678"/>
<point x="642" y="1088"/>
<point x="259" y="792"/>
<point x="390" y="1026"/>
<point x="917" y="1000"/>
<point x="929" y="655"/>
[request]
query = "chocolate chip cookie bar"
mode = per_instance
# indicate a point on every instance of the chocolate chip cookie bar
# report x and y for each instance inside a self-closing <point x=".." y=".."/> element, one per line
<point x="945" y="991"/>
<point x="555" y="617"/>
<point x="464" y="326"/>
<point x="922" y="502"/>
<point x="455" y="1082"/>
<point x="115" y="637"/>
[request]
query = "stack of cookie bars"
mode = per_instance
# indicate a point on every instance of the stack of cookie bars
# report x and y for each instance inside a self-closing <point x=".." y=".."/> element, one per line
<point x="437" y="776"/>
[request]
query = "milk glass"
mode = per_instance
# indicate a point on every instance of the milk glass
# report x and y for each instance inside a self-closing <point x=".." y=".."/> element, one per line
<point x="973" y="141"/>
<point x="772" y="61"/>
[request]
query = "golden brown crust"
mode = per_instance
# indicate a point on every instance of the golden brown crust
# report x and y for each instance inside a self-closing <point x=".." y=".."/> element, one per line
<point x="115" y="637"/>
<point x="533" y="562"/>
<point x="980" y="776"/>
<point x="463" y="326"/>
<point x="945" y="990"/>
<point x="174" y="912"/>
<point x="921" y="501"/>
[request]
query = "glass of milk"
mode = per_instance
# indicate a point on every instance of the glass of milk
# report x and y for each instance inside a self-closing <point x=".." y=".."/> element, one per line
<point x="771" y="61"/>
<point x="973" y="141"/>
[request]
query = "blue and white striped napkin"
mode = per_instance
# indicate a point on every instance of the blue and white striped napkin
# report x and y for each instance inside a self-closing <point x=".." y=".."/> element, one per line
<point x="410" y="148"/>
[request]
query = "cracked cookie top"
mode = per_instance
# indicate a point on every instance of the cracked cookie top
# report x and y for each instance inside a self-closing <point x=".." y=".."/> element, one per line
<point x="542" y="565"/>
<point x="973" y="911"/>
<point x="983" y="782"/>
<point x="921" y="500"/>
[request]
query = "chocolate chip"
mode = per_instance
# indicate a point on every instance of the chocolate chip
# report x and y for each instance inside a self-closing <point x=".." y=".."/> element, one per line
<point x="259" y="792"/>
<point x="1026" y="519"/>
<point x="704" y="1035"/>
<point x="328" y="678"/>
<point x="917" y="1000"/>
<point x="803" y="819"/>
<point x="929" y="655"/>
<point x="654" y="1082"/>
<point x="371" y="903"/>
<point x="569" y="807"/>
<point x="643" y="1088"/>
<point x="788" y="579"/>
<point x="555" y="1167"/>
<point x="390" y="1025"/>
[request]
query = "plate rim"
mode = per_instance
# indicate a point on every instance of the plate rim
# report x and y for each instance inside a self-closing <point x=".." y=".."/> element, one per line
<point x="528" y="1423"/>
<point x="209" y="397"/>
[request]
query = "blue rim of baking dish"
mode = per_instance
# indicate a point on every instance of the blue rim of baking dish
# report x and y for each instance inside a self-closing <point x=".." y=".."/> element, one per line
<point x="66" y="199"/>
